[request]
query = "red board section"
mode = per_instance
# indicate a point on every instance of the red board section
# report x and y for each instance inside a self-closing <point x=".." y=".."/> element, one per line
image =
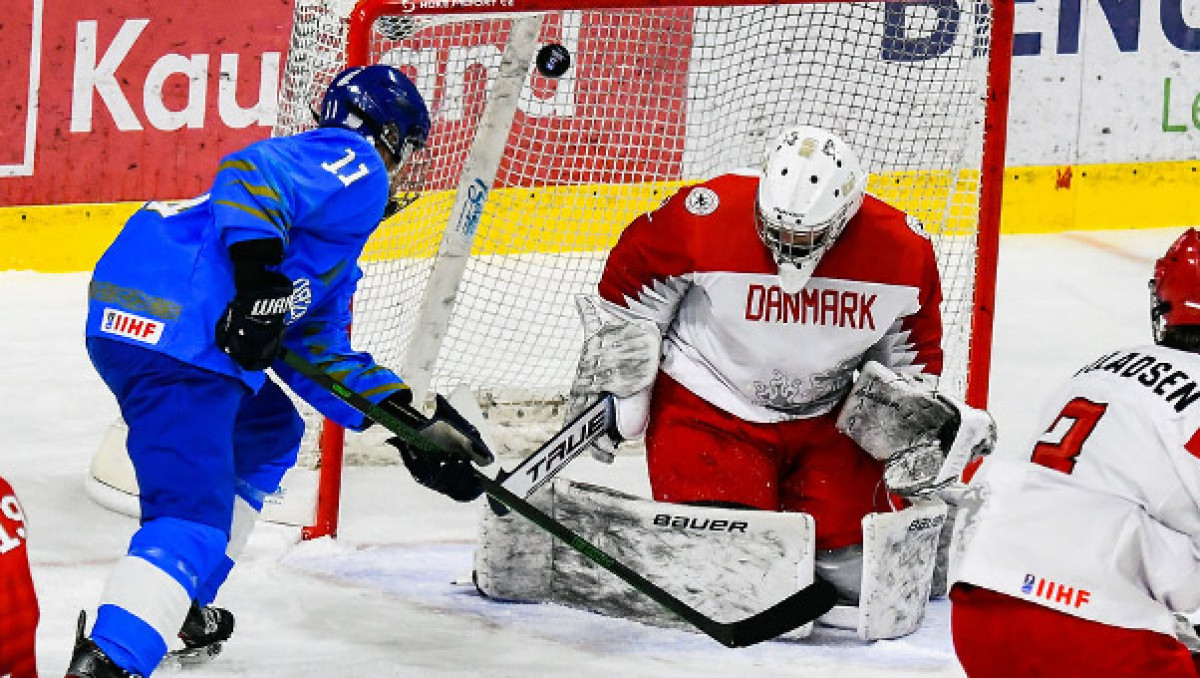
<point x="16" y="36"/>
<point x="618" y="117"/>
<point x="135" y="99"/>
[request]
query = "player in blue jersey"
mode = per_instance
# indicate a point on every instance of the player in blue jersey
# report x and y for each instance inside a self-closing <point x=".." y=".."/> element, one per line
<point x="189" y="306"/>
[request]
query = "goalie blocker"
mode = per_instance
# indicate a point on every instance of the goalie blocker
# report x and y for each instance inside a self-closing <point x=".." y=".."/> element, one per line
<point x="741" y="560"/>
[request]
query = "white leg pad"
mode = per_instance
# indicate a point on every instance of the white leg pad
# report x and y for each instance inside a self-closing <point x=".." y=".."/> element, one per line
<point x="726" y="563"/>
<point x="514" y="557"/>
<point x="899" y="554"/>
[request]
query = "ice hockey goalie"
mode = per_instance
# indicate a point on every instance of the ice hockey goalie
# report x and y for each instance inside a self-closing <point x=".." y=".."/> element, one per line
<point x="767" y="292"/>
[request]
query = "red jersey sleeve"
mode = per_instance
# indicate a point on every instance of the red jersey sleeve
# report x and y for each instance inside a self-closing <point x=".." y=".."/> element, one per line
<point x="924" y="328"/>
<point x="649" y="269"/>
<point x="18" y="599"/>
<point x="896" y="249"/>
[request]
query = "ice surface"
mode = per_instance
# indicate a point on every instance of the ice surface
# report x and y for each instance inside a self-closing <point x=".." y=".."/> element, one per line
<point x="382" y="600"/>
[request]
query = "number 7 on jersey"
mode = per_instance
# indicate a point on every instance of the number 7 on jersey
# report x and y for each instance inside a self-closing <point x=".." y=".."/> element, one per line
<point x="1063" y="441"/>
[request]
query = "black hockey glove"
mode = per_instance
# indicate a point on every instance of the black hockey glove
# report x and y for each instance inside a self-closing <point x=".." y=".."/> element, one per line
<point x="452" y="476"/>
<point x="251" y="329"/>
<point x="447" y="429"/>
<point x="452" y="472"/>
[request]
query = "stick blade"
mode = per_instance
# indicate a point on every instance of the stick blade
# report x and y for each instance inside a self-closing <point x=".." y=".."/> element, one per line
<point x="790" y="613"/>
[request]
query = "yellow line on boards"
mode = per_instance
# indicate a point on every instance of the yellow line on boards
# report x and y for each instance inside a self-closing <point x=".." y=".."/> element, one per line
<point x="59" y="238"/>
<point x="1044" y="199"/>
<point x="1101" y="197"/>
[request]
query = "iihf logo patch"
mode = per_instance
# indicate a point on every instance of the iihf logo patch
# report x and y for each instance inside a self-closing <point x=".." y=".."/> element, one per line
<point x="123" y="324"/>
<point x="301" y="299"/>
<point x="1069" y="596"/>
<point x="701" y="201"/>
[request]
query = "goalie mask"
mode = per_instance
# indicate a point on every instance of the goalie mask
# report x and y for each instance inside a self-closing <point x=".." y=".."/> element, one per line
<point x="812" y="185"/>
<point x="1175" y="294"/>
<point x="382" y="104"/>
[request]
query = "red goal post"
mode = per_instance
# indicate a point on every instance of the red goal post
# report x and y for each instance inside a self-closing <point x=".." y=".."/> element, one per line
<point x="529" y="178"/>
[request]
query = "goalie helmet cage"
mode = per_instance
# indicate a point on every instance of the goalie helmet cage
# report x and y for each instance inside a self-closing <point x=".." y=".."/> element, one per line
<point x="530" y="177"/>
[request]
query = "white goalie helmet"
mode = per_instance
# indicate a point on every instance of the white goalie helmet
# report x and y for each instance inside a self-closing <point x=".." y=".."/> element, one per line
<point x="812" y="185"/>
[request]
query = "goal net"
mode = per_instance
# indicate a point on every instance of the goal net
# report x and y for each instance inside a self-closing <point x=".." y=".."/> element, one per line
<point x="529" y="178"/>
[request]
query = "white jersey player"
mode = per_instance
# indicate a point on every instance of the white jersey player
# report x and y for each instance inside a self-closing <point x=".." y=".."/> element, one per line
<point x="768" y="292"/>
<point x="1086" y="547"/>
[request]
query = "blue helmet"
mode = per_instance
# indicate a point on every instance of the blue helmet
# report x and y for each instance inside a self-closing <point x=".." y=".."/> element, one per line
<point x="380" y="103"/>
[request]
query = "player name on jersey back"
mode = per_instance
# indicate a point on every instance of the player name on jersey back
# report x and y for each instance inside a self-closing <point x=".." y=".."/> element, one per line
<point x="1173" y="385"/>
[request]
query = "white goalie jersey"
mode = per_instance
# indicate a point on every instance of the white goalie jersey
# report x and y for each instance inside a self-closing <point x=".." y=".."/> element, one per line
<point x="734" y="336"/>
<point x="1100" y="517"/>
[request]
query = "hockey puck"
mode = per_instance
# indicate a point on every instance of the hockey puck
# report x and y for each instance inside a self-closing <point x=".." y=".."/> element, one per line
<point x="393" y="27"/>
<point x="553" y="60"/>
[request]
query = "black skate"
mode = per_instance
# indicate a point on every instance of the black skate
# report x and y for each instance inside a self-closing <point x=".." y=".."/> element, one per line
<point x="203" y="633"/>
<point x="89" y="661"/>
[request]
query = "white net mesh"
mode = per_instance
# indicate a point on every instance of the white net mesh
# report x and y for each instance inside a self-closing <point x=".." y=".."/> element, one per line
<point x="654" y="99"/>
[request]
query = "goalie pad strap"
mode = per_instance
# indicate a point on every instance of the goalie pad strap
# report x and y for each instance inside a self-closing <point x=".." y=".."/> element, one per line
<point x="727" y="563"/>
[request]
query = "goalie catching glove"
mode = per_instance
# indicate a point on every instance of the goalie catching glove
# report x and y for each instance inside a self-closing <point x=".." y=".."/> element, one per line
<point x="452" y="472"/>
<point x="620" y="356"/>
<point x="924" y="439"/>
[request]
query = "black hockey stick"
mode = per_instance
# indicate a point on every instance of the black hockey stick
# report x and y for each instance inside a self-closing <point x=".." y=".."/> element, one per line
<point x="545" y="462"/>
<point x="792" y="612"/>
